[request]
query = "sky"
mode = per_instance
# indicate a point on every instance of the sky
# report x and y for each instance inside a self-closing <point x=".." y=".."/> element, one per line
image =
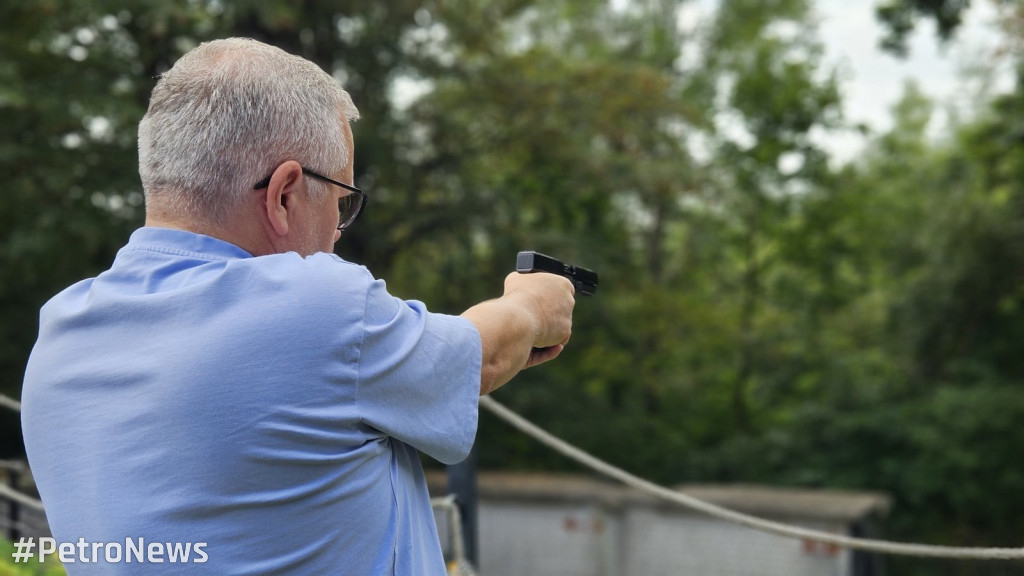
<point x="872" y="81"/>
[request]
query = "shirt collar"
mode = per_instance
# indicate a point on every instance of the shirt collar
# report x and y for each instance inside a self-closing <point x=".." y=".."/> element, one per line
<point x="183" y="241"/>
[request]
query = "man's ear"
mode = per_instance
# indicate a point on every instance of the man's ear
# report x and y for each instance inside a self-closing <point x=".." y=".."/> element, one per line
<point x="285" y="183"/>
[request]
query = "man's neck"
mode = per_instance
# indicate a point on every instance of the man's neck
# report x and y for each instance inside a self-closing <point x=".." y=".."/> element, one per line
<point x="243" y="241"/>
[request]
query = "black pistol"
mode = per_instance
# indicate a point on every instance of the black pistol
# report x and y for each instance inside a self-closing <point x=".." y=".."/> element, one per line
<point x="584" y="280"/>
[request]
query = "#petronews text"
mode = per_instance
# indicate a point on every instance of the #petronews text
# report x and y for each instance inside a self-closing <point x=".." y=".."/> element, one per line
<point x="133" y="550"/>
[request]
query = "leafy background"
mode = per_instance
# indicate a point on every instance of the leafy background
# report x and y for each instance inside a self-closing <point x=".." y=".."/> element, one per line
<point x="765" y="315"/>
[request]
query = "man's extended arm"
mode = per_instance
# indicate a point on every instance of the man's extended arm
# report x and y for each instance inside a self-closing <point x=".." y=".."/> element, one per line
<point x="528" y="325"/>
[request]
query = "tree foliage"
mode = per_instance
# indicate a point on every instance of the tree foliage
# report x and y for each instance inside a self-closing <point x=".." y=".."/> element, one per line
<point x="901" y="16"/>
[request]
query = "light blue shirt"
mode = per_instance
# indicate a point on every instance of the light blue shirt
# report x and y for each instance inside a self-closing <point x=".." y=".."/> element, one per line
<point x="270" y="407"/>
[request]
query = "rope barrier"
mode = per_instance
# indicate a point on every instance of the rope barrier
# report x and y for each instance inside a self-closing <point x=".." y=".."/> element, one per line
<point x="5" y="490"/>
<point x="11" y="403"/>
<point x="27" y="501"/>
<point x="777" y="528"/>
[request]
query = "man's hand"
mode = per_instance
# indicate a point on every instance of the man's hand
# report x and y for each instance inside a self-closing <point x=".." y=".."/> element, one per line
<point x="552" y="298"/>
<point x="530" y="324"/>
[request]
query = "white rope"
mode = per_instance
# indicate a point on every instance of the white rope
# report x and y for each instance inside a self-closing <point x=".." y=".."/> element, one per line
<point x="8" y="402"/>
<point x="27" y="501"/>
<point x="779" y="529"/>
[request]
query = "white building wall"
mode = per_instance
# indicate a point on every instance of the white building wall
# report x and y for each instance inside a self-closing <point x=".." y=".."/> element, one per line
<point x="554" y="539"/>
<point x="539" y="525"/>
<point x="547" y="539"/>
<point x="661" y="543"/>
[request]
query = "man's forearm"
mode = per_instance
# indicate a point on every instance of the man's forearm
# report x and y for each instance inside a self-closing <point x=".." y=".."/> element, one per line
<point x="507" y="335"/>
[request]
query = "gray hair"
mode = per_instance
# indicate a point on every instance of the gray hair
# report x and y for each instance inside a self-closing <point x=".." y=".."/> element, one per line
<point x="226" y="115"/>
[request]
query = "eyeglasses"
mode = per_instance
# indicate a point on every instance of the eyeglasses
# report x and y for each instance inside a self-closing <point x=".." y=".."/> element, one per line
<point x="349" y="205"/>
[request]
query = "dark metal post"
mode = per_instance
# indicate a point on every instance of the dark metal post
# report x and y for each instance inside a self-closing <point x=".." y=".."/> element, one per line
<point x="462" y="483"/>
<point x="14" y="514"/>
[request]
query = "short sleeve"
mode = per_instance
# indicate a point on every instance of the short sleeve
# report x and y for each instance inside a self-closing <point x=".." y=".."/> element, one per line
<point x="419" y="375"/>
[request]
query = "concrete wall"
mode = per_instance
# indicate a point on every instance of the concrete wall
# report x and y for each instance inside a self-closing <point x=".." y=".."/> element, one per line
<point x="542" y="539"/>
<point x="663" y="543"/>
<point x="556" y="526"/>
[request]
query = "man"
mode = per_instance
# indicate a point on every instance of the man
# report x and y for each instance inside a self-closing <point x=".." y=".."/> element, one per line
<point x="232" y="385"/>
